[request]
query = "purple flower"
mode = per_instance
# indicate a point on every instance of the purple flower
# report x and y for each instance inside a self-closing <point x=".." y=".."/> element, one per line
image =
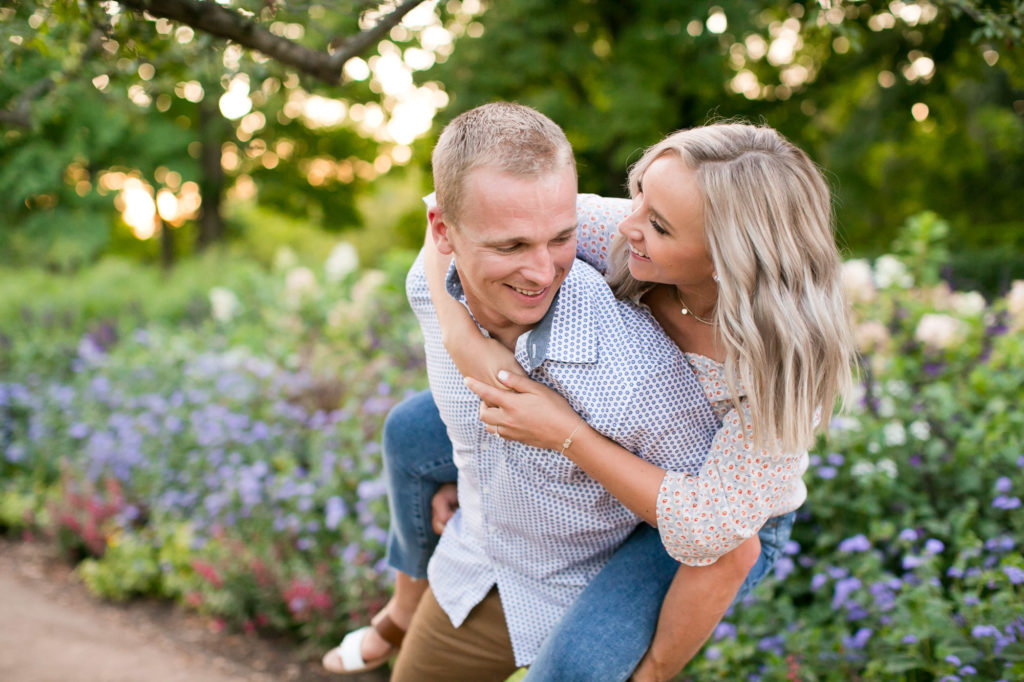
<point x="952" y="659"/>
<point x="827" y="473"/>
<point x="1004" y="502"/>
<point x="954" y="572"/>
<point x="908" y="535"/>
<point x="911" y="562"/>
<point x="725" y="630"/>
<point x="791" y="547"/>
<point x="818" y="581"/>
<point x="909" y="639"/>
<point x="783" y="567"/>
<point x="1003" y="484"/>
<point x="772" y="643"/>
<point x="1015" y="574"/>
<point x="838" y="572"/>
<point x="78" y="430"/>
<point x="857" y="543"/>
<point x="979" y="631"/>
<point x="15" y="453"/>
<point x="835" y="459"/>
<point x="843" y="589"/>
<point x="335" y="512"/>
<point x="858" y="640"/>
<point x="933" y="546"/>
<point x="712" y="653"/>
<point x="968" y="670"/>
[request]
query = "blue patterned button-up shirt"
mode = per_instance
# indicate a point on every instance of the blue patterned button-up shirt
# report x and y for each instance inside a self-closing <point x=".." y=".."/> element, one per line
<point x="529" y="520"/>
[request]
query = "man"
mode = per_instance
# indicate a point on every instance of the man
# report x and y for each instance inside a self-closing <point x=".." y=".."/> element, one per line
<point x="532" y="530"/>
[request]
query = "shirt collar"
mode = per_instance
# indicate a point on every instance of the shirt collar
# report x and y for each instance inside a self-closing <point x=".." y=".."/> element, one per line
<point x="566" y="333"/>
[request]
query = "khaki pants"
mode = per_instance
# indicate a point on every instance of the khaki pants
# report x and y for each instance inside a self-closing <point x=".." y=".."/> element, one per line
<point x="435" y="651"/>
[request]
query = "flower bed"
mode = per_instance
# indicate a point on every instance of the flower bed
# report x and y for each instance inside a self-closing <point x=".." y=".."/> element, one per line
<point x="227" y="458"/>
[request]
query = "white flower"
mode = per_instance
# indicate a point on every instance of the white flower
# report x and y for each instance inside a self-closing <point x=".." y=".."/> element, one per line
<point x="894" y="434"/>
<point x="857" y="282"/>
<point x="1015" y="304"/>
<point x="871" y="335"/>
<point x="920" y="429"/>
<point x="968" y="304"/>
<point x="939" y="331"/>
<point x="342" y="260"/>
<point x="890" y="271"/>
<point x="284" y="258"/>
<point x="224" y="305"/>
<point x="874" y="447"/>
<point x="343" y="313"/>
<point x="862" y="469"/>
<point x="363" y="290"/>
<point x="300" y="285"/>
<point x="897" y="388"/>
<point x="886" y="406"/>
<point x="886" y="467"/>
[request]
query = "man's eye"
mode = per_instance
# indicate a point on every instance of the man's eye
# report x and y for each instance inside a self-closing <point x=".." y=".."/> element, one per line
<point x="510" y="248"/>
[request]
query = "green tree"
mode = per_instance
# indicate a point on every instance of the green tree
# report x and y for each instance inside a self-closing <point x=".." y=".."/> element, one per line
<point x="94" y="88"/>
<point x="908" y="105"/>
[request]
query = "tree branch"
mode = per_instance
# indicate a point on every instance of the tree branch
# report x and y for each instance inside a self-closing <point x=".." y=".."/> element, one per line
<point x="211" y="18"/>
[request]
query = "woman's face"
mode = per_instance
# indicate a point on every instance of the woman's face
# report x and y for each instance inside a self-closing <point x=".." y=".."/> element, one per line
<point x="665" y="231"/>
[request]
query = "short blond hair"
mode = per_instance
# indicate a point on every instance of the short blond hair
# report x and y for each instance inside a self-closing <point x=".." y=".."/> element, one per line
<point x="510" y="137"/>
<point x="781" y="312"/>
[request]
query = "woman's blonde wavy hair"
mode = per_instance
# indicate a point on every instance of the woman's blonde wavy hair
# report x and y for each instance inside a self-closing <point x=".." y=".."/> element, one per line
<point x="781" y="312"/>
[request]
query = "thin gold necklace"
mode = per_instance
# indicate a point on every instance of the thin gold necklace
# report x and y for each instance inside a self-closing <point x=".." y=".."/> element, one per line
<point x="685" y="309"/>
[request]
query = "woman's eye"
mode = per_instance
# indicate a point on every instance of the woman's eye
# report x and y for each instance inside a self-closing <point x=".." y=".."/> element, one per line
<point x="657" y="228"/>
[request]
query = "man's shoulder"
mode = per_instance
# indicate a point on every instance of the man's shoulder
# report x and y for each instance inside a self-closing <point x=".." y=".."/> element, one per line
<point x="627" y="331"/>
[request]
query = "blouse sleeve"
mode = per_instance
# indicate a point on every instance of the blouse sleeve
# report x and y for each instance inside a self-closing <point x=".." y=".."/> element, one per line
<point x="598" y="220"/>
<point x="702" y="517"/>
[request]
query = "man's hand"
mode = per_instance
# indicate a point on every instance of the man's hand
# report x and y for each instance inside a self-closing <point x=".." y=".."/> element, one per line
<point x="443" y="506"/>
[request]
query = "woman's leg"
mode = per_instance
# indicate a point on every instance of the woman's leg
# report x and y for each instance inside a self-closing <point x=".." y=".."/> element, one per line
<point x="607" y="631"/>
<point x="700" y="596"/>
<point x="608" y="628"/>
<point x="417" y="461"/>
<point x="417" y="457"/>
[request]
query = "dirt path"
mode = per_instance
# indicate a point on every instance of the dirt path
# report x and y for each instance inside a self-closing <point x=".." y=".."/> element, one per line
<point x="53" y="630"/>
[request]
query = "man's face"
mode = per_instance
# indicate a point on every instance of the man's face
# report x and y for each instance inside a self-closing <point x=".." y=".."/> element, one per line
<point x="514" y="244"/>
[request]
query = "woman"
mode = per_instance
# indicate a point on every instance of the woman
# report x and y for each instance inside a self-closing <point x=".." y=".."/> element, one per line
<point x="729" y="246"/>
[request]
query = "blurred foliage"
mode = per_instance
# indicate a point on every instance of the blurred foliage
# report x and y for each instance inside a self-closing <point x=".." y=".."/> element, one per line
<point x="910" y="106"/>
<point x="210" y="436"/>
<point x="838" y="78"/>
<point x="89" y="88"/>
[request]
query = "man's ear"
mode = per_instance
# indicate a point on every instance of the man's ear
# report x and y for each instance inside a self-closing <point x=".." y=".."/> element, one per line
<point x="439" y="230"/>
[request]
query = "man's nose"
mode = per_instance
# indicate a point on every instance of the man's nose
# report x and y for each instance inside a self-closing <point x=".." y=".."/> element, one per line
<point x="539" y="267"/>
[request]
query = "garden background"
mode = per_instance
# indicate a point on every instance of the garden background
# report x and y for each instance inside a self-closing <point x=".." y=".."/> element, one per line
<point x="207" y="211"/>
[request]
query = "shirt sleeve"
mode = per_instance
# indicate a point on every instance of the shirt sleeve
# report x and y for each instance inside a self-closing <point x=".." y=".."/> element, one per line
<point x="598" y="220"/>
<point x="702" y="517"/>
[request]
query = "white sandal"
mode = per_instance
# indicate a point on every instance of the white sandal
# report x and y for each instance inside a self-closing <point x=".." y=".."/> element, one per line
<point x="347" y="657"/>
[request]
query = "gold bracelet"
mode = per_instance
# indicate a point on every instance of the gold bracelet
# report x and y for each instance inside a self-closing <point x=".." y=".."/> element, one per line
<point x="568" y="441"/>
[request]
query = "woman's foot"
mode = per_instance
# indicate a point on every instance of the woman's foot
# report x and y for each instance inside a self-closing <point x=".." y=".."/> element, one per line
<point x="372" y="646"/>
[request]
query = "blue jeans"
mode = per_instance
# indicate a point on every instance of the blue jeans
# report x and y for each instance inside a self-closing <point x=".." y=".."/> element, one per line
<point x="607" y="630"/>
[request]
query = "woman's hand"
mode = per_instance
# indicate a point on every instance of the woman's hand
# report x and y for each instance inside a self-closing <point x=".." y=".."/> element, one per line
<point x="474" y="354"/>
<point x="483" y="359"/>
<point x="443" y="506"/>
<point x="525" y="410"/>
